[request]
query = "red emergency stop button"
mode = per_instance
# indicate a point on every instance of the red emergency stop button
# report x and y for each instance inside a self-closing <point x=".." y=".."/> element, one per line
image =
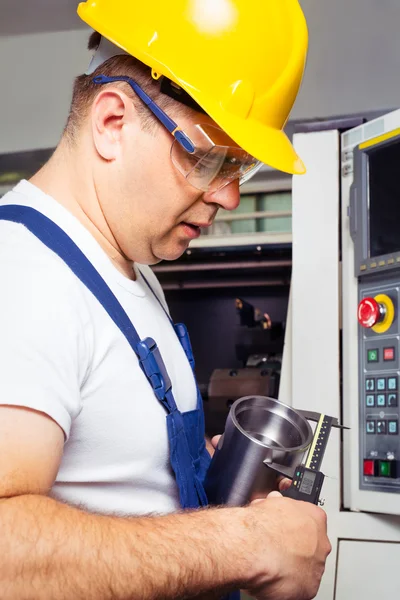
<point x="376" y="313"/>
<point x="369" y="312"/>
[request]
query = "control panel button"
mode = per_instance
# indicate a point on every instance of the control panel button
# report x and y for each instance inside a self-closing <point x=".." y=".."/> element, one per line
<point x="381" y="400"/>
<point x="388" y="353"/>
<point x="373" y="355"/>
<point x="376" y="313"/>
<point x="393" y="427"/>
<point x="370" y="400"/>
<point x="392" y="383"/>
<point x="392" y="400"/>
<point x="370" y="385"/>
<point x="369" y="312"/>
<point x="384" y="468"/>
<point x="369" y="468"/>
<point x="370" y="427"/>
<point x="387" y="468"/>
<point x="381" y="427"/>
<point x="381" y="383"/>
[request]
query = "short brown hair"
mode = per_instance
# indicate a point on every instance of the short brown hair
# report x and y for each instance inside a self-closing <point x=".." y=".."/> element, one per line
<point x="85" y="91"/>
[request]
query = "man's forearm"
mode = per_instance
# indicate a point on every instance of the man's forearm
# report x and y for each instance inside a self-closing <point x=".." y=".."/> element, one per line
<point x="51" y="551"/>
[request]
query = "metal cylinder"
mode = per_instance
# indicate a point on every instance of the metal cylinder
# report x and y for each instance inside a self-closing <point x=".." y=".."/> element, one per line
<point x="259" y="431"/>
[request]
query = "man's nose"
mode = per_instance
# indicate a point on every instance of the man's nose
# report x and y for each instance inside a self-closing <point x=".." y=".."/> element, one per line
<point x="228" y="197"/>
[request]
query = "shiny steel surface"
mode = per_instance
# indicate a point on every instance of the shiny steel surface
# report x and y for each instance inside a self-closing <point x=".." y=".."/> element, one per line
<point x="259" y="431"/>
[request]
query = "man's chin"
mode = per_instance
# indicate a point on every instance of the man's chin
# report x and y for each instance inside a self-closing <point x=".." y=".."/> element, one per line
<point x="170" y="254"/>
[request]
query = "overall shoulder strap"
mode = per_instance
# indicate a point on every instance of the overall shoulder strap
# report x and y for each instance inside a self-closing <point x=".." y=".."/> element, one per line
<point x="180" y="330"/>
<point x="50" y="234"/>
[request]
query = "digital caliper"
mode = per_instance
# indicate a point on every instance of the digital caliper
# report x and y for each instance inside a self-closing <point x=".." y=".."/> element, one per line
<point x="308" y="479"/>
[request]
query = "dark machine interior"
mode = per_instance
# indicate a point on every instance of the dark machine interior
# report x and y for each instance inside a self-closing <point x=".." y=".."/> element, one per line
<point x="234" y="303"/>
<point x="384" y="205"/>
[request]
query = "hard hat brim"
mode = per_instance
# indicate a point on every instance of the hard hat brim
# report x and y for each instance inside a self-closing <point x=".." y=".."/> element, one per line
<point x="270" y="146"/>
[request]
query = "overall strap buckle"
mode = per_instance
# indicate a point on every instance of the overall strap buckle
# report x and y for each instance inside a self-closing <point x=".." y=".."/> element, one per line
<point x="154" y="368"/>
<point x="183" y="335"/>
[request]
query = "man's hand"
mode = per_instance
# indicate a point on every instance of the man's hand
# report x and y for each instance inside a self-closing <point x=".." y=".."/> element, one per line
<point x="284" y="483"/>
<point x="211" y="444"/>
<point x="297" y="533"/>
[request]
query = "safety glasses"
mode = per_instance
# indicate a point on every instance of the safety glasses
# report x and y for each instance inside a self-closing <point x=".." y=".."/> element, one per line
<point x="203" y="154"/>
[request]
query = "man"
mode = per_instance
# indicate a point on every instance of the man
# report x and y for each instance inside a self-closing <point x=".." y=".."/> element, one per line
<point x="101" y="430"/>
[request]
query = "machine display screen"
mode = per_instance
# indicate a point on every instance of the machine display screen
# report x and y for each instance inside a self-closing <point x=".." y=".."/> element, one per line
<point x="307" y="482"/>
<point x="384" y="200"/>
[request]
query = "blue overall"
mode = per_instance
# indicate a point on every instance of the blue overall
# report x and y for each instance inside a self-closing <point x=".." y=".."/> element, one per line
<point x="188" y="454"/>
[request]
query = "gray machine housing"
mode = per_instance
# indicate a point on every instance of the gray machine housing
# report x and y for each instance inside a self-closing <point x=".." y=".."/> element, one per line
<point x="378" y="378"/>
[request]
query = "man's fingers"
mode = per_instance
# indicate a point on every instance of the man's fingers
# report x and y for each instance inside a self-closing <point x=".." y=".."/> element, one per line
<point x="215" y="440"/>
<point x="274" y="495"/>
<point x="284" y="483"/>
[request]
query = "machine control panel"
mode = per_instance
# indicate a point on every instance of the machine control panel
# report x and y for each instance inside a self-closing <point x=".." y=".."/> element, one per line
<point x="374" y="213"/>
<point x="380" y="385"/>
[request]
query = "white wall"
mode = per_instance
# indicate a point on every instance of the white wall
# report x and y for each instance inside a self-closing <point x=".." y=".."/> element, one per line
<point x="354" y="57"/>
<point x="353" y="66"/>
<point x="38" y="16"/>
<point x="36" y="74"/>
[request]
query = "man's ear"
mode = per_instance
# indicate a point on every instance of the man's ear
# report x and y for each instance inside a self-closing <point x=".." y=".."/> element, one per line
<point x="111" y="110"/>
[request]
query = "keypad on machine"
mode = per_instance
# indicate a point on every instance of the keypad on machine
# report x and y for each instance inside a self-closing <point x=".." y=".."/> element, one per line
<point x="388" y="400"/>
<point x="381" y="392"/>
<point x="382" y="426"/>
<point x="380" y="384"/>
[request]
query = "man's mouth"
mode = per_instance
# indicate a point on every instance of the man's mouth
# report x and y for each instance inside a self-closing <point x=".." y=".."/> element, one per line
<point x="193" y="230"/>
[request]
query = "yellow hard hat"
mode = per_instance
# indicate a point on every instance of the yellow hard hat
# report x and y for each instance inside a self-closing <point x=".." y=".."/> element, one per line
<point x="242" y="61"/>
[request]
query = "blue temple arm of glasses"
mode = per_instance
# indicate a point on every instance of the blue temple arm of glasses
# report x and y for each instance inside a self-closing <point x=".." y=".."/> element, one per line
<point x="168" y="123"/>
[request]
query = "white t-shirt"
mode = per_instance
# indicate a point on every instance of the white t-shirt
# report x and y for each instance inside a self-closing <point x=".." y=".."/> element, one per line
<point x="61" y="354"/>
